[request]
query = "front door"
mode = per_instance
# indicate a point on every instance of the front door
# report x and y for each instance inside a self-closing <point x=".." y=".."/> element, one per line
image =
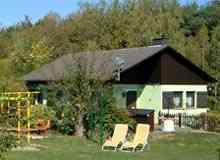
<point x="131" y="100"/>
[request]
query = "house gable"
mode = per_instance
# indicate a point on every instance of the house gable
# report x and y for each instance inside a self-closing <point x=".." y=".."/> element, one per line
<point x="146" y="72"/>
<point x="176" y="69"/>
<point x="165" y="67"/>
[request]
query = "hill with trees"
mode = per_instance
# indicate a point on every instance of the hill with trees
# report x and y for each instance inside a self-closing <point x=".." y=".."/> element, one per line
<point x="191" y="29"/>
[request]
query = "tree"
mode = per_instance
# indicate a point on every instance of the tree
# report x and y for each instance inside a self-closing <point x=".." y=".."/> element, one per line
<point x="214" y="57"/>
<point x="211" y="14"/>
<point x="80" y="87"/>
<point x="29" y="55"/>
<point x="85" y="101"/>
<point x="202" y="38"/>
<point x="190" y="29"/>
<point x="40" y="53"/>
<point x="193" y="19"/>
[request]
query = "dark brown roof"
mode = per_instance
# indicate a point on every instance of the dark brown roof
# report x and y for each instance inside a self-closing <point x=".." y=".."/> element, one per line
<point x="102" y="60"/>
<point x="100" y="63"/>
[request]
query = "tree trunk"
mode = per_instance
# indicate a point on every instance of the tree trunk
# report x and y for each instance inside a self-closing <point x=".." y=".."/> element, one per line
<point x="79" y="126"/>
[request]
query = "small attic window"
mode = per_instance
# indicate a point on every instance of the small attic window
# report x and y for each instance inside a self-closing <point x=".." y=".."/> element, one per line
<point x="119" y="65"/>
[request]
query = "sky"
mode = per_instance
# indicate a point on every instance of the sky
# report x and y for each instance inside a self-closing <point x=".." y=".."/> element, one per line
<point x="13" y="11"/>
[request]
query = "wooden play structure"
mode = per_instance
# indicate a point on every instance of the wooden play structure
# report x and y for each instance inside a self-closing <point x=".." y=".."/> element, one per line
<point x="22" y="103"/>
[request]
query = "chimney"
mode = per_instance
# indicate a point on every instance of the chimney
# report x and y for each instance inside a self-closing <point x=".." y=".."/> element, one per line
<point x="158" y="42"/>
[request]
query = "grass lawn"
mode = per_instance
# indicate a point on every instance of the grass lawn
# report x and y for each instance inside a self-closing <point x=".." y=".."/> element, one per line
<point x="182" y="146"/>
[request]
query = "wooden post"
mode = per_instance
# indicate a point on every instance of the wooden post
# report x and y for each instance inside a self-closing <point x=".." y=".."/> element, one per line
<point x="2" y="106"/>
<point x="28" y="117"/>
<point x="180" y="120"/>
<point x="2" y="103"/>
<point x="151" y="121"/>
<point x="160" y="116"/>
<point x="8" y="103"/>
<point x="216" y="94"/>
<point x="19" y="116"/>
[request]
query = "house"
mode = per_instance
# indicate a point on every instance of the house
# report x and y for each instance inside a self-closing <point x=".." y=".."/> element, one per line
<point x="155" y="78"/>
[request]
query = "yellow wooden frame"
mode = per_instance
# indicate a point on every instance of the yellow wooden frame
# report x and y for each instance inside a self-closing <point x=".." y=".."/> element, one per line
<point x="18" y="97"/>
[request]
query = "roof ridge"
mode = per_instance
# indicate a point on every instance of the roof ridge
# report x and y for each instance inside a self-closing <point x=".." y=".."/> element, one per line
<point x="132" y="56"/>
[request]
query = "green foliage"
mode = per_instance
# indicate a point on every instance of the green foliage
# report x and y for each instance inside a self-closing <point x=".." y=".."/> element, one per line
<point x="214" y="104"/>
<point x="191" y="29"/>
<point x="74" y="95"/>
<point x="214" y="57"/>
<point x="118" y="116"/>
<point x="7" y="140"/>
<point x="103" y="115"/>
<point x="64" y="120"/>
<point x="42" y="112"/>
<point x="214" y="121"/>
<point x="66" y="125"/>
<point x="39" y="112"/>
<point x="7" y="120"/>
<point x="87" y="103"/>
<point x="29" y="55"/>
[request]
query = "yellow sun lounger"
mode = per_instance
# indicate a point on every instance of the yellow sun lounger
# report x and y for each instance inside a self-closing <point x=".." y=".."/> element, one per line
<point x="119" y="137"/>
<point x="140" y="139"/>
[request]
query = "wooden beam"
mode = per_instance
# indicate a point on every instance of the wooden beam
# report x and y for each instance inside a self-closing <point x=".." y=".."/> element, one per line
<point x="19" y="121"/>
<point x="28" y="117"/>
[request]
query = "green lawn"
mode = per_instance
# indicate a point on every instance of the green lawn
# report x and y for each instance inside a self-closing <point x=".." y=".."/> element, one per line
<point x="182" y="146"/>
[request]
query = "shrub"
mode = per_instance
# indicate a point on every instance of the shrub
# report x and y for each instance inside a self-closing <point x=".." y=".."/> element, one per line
<point x="64" y="121"/>
<point x="213" y="120"/>
<point x="99" y="116"/>
<point x="103" y="115"/>
<point x="116" y="116"/>
<point x="214" y="103"/>
<point x="42" y="112"/>
<point x="101" y="127"/>
<point x="38" y="112"/>
<point x="7" y="140"/>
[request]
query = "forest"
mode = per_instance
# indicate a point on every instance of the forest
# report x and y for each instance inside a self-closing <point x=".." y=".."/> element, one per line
<point x="192" y="29"/>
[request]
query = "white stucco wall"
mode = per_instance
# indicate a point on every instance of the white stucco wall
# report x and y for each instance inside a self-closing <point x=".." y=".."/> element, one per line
<point x="196" y="88"/>
<point x="150" y="97"/>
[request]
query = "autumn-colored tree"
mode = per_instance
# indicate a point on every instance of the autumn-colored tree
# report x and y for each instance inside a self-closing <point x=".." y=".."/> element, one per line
<point x="191" y="29"/>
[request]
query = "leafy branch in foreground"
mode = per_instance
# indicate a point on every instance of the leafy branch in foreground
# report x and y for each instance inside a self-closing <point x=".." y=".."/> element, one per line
<point x="7" y="139"/>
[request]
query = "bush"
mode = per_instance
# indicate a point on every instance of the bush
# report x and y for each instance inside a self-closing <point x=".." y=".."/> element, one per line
<point x="7" y="140"/>
<point x="103" y="115"/>
<point x="98" y="128"/>
<point x="213" y="104"/>
<point x="100" y="116"/>
<point x="213" y="121"/>
<point x="64" y="121"/>
<point x="38" y="112"/>
<point x="118" y="116"/>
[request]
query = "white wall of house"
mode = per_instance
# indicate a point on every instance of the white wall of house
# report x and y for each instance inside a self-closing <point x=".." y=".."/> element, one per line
<point x="198" y="88"/>
<point x="151" y="97"/>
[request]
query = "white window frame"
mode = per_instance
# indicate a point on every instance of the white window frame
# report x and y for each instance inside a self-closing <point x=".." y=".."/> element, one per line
<point x="184" y="89"/>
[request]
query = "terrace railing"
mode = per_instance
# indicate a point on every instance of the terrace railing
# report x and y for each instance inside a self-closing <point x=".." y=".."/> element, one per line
<point x="193" y="121"/>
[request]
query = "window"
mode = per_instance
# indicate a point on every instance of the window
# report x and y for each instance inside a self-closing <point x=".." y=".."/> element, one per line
<point x="202" y="99"/>
<point x="190" y="99"/>
<point x="131" y="99"/>
<point x="172" y="100"/>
